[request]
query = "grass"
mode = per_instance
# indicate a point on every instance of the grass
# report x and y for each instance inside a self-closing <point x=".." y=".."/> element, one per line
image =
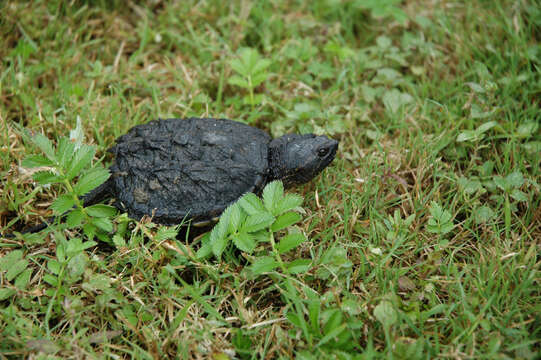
<point x="423" y="235"/>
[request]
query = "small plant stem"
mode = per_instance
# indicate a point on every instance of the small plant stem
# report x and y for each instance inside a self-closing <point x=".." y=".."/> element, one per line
<point x="53" y="299"/>
<point x="78" y="203"/>
<point x="70" y="189"/>
<point x="507" y="214"/>
<point x="251" y="92"/>
<point x="277" y="254"/>
<point x="220" y="87"/>
<point x="292" y="290"/>
<point x="388" y="341"/>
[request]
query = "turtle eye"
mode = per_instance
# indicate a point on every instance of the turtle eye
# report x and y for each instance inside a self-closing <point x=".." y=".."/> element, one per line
<point x="322" y="152"/>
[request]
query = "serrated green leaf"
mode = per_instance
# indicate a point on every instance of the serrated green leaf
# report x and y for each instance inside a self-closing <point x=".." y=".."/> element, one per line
<point x="119" y="241"/>
<point x="439" y="228"/>
<point x="235" y="217"/>
<point x="396" y="218"/>
<point x="445" y="216"/>
<point x="82" y="159"/>
<point x="50" y="279"/>
<point x="106" y="238"/>
<point x="261" y="66"/>
<point x="257" y="99"/>
<point x="487" y="168"/>
<point x="299" y="266"/>
<point x="7" y="261"/>
<point x="369" y="93"/>
<point x="394" y="99"/>
<point x="435" y="210"/>
<point x="469" y="186"/>
<point x="261" y="236"/>
<point x="36" y="161"/>
<point x="222" y="227"/>
<point x="101" y="210"/>
<point x="399" y="15"/>
<point x="501" y="183"/>
<point x="486" y="126"/>
<point x="6" y="293"/>
<point x="63" y="203"/>
<point x="258" y="222"/>
<point x="90" y="180"/>
<point x="206" y="249"/>
<point x="103" y="223"/>
<point x="483" y="214"/>
<point x="519" y="195"/>
<point x="65" y="151"/>
<point x="46" y="177"/>
<point x="239" y="67"/>
<point x="249" y="58"/>
<point x="334" y="256"/>
<point x="333" y="321"/>
<point x="528" y="129"/>
<point x="285" y="220"/>
<point x="16" y="269"/>
<point x="384" y="42"/>
<point x="238" y="81"/>
<point x="332" y="334"/>
<point x="218" y="241"/>
<point x="74" y="218"/>
<point x="97" y="282"/>
<point x="446" y="227"/>
<point x="392" y="95"/>
<point x="409" y="220"/>
<point x="476" y="87"/>
<point x="244" y="242"/>
<point x="385" y="313"/>
<point x="467" y="135"/>
<point x="61" y="250"/>
<point x="433" y="227"/>
<point x="478" y="113"/>
<point x="258" y="79"/>
<point x="166" y="232"/>
<point x="251" y="204"/>
<point x="76" y="246"/>
<point x="290" y="241"/>
<point x="515" y="179"/>
<point x="45" y="145"/>
<point x="441" y="220"/>
<point x="272" y="195"/>
<point x="287" y="203"/>
<point x="293" y="319"/>
<point x="76" y="266"/>
<point x="54" y="266"/>
<point x="263" y="264"/>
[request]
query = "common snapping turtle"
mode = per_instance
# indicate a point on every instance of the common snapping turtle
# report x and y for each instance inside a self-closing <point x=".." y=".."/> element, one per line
<point x="177" y="169"/>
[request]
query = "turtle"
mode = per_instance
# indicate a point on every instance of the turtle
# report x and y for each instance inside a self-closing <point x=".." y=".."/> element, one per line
<point x="193" y="168"/>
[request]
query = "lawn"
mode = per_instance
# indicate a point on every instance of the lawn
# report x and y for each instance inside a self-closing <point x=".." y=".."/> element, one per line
<point x="421" y="240"/>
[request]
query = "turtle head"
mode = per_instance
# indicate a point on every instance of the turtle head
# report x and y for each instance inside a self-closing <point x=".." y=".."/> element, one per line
<point x="296" y="159"/>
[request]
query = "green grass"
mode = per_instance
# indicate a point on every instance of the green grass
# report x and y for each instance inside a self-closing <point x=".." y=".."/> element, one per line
<point x="423" y="235"/>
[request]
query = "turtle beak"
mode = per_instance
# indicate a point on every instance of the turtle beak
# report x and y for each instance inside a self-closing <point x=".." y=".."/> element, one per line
<point x="334" y="147"/>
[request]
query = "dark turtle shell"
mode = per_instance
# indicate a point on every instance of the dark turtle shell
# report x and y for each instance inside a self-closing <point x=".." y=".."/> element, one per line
<point x="193" y="168"/>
